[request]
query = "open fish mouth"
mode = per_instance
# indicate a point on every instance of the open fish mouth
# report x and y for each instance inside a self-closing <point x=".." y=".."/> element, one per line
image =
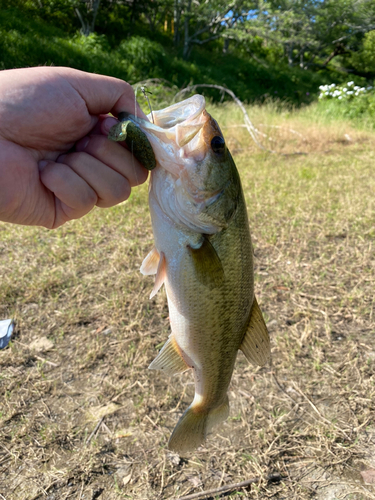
<point x="179" y="113"/>
<point x="176" y="136"/>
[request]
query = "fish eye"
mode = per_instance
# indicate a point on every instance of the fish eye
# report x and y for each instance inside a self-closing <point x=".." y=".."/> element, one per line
<point x="218" y="145"/>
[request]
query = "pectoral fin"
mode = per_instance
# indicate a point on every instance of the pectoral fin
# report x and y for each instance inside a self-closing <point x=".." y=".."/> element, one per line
<point x="169" y="359"/>
<point x="256" y="343"/>
<point x="208" y="266"/>
<point x="160" y="275"/>
<point x="150" y="263"/>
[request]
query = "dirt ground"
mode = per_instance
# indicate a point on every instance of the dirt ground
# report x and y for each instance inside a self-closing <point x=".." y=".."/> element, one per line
<point x="82" y="418"/>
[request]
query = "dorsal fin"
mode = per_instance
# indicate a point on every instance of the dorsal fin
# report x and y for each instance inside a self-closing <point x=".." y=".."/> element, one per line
<point x="160" y="275"/>
<point x="150" y="263"/>
<point x="256" y="342"/>
<point x="169" y="359"/>
<point x="207" y="264"/>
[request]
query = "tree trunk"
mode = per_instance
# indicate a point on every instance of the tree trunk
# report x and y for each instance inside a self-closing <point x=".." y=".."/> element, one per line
<point x="133" y="16"/>
<point x="226" y="45"/>
<point x="88" y="27"/>
<point x="95" y="9"/>
<point x="84" y="26"/>
<point x="176" y="22"/>
<point x="338" y="50"/>
<point x="290" y="54"/>
<point x="186" y="52"/>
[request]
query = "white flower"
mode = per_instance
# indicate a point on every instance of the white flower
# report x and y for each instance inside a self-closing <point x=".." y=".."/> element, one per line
<point x="340" y="96"/>
<point x="350" y="83"/>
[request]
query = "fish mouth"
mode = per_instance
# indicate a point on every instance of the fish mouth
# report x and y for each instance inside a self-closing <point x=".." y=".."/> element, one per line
<point x="184" y="112"/>
<point x="178" y="134"/>
<point x="187" y="180"/>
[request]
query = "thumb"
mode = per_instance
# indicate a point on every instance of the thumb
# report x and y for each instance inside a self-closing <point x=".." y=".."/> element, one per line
<point x="102" y="94"/>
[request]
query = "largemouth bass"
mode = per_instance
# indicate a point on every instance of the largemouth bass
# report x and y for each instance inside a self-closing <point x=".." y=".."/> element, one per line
<point x="203" y="256"/>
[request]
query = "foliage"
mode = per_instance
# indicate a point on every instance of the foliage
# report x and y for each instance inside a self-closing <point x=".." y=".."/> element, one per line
<point x="364" y="59"/>
<point x="145" y="57"/>
<point x="345" y="92"/>
<point x="311" y="32"/>
<point x="348" y="101"/>
<point x="260" y="50"/>
<point x="32" y="42"/>
<point x="204" y="21"/>
<point x="55" y="12"/>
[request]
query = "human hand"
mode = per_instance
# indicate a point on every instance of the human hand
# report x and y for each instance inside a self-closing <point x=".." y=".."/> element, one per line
<point x="56" y="162"/>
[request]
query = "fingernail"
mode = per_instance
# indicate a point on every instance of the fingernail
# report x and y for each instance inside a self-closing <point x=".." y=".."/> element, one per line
<point x="82" y="144"/>
<point x="42" y="164"/>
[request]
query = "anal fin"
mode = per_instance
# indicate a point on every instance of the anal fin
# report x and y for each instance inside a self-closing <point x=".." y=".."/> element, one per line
<point x="256" y="342"/>
<point x="150" y="263"/>
<point x="169" y="359"/>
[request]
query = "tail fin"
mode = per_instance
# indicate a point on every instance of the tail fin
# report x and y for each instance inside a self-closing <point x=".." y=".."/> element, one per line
<point x="194" y="425"/>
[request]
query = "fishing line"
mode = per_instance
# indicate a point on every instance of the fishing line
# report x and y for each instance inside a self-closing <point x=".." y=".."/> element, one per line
<point x="145" y="92"/>
<point x="135" y="114"/>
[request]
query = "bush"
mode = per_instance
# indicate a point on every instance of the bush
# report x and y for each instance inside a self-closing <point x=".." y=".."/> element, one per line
<point x="364" y="60"/>
<point x="146" y="58"/>
<point x="348" y="101"/>
<point x="27" y="40"/>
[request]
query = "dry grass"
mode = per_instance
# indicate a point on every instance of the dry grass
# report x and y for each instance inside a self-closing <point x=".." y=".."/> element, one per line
<point x="82" y="418"/>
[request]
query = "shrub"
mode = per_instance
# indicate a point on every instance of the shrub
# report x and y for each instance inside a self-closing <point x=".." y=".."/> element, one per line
<point x="348" y="100"/>
<point x="364" y="60"/>
<point x="145" y="57"/>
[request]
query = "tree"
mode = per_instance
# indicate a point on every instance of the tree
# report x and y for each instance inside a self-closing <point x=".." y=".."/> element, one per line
<point x="364" y="59"/>
<point x="311" y="32"/>
<point x="87" y="11"/>
<point x="203" y="21"/>
<point x="156" y="11"/>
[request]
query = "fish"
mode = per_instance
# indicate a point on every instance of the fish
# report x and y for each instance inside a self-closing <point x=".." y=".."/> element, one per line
<point x="204" y="257"/>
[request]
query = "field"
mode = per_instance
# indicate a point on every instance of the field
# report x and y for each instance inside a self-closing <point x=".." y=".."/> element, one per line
<point x="82" y="418"/>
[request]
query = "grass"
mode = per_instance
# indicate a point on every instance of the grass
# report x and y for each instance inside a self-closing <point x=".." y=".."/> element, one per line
<point x="309" y="415"/>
